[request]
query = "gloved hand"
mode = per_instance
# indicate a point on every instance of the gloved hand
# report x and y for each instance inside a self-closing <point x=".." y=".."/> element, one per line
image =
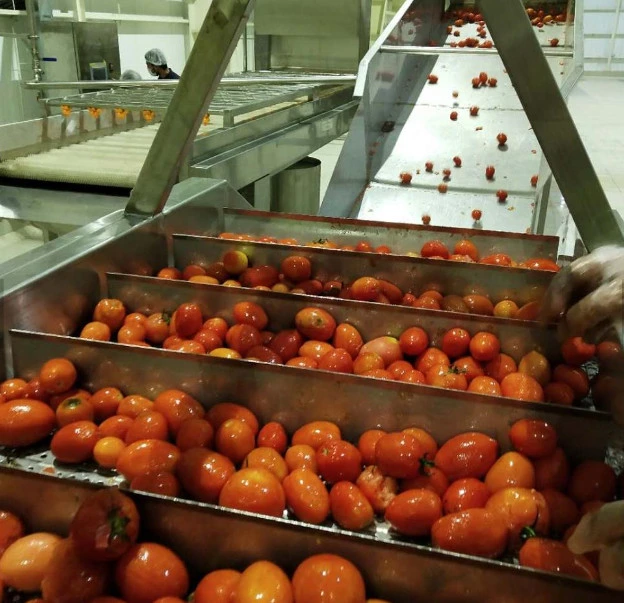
<point x="603" y="531"/>
<point x="587" y="297"/>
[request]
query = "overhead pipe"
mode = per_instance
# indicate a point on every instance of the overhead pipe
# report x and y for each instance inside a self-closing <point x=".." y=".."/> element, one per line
<point x="33" y="38"/>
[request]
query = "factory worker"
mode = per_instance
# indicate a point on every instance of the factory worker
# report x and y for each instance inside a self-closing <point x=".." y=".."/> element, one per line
<point x="588" y="299"/>
<point x="130" y="74"/>
<point x="157" y="65"/>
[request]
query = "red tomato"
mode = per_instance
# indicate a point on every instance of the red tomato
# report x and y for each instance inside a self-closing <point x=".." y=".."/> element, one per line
<point x="366" y="289"/>
<point x="241" y="338"/>
<point x="194" y="433"/>
<point x="250" y="313"/>
<point x="105" y="526"/>
<point x="111" y="312"/>
<point x="400" y="368"/>
<point x="533" y="438"/>
<point x="132" y="406"/>
<point x="484" y="346"/>
<point x="316" y="433"/>
<point x="348" y="338"/>
<point x="469" y="367"/>
<point x="455" y="342"/>
<point x="564" y="512"/>
<point x="472" y="532"/>
<point x="147" y="456"/>
<point x="315" y="323"/>
<point x="148" y="425"/>
<point x="464" y="494"/>
<point x="430" y="358"/>
<point x="336" y="361"/>
<point x="350" y="507"/>
<point x="387" y="347"/>
<point x="378" y="488"/>
<point x="74" y="443"/>
<point x="105" y="402"/>
<point x="159" y="482"/>
<point x="434" y="249"/>
<point x="398" y="455"/>
<point x="430" y="478"/>
<point x="25" y="422"/>
<point x="366" y="362"/>
<point x="306" y="496"/>
<point x="441" y="375"/>
<point x="501" y="366"/>
<point x="338" y="460"/>
<point x="203" y="473"/>
<point x="414" y="512"/>
<point x="552" y="471"/>
<point x="511" y="469"/>
<point x="574" y="377"/>
<point x="286" y="344"/>
<point x="552" y="556"/>
<point x="297" y="268"/>
<point x="254" y="490"/>
<point x="177" y="406"/>
<point x="186" y="320"/>
<point x="149" y="571"/>
<point x="575" y="351"/>
<point x="467" y="455"/>
<point x="592" y="480"/>
<point x="220" y="413"/>
<point x="208" y="339"/>
<point x="273" y="435"/>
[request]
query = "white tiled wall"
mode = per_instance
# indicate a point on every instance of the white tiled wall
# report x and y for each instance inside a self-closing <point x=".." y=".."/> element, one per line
<point x="604" y="36"/>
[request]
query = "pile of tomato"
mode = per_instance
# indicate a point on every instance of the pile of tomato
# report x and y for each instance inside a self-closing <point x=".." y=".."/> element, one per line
<point x="458" y="361"/>
<point x="442" y="494"/>
<point x="540" y="15"/>
<point x="103" y="561"/>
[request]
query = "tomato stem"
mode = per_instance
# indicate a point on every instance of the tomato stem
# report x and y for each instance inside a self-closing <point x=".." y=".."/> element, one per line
<point x="527" y="532"/>
<point x="113" y="529"/>
<point x="425" y="465"/>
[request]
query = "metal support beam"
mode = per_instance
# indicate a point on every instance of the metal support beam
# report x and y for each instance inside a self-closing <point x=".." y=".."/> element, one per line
<point x="438" y="50"/>
<point x="211" y="52"/>
<point x="31" y="11"/>
<point x="552" y="123"/>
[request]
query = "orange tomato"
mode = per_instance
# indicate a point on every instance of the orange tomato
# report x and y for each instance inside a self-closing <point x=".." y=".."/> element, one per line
<point x="398" y="455"/>
<point x="116" y="426"/>
<point x="220" y="413"/>
<point x="537" y="366"/>
<point x="336" y="361"/>
<point x="315" y="349"/>
<point x="254" y="490"/>
<point x="218" y="325"/>
<point x="434" y="249"/>
<point x="235" y="440"/>
<point x="328" y="578"/>
<point x="466" y="247"/>
<point x="428" y="445"/>
<point x="296" y="268"/>
<point x="522" y="387"/>
<point x="412" y="376"/>
<point x="105" y="402"/>
<point x="511" y="469"/>
<point x="111" y="312"/>
<point x="13" y="389"/>
<point x="250" y="313"/>
<point x="469" y="367"/>
<point x="430" y="358"/>
<point x="378" y="488"/>
<point x="367" y="362"/>
<point x="75" y="442"/>
<point x="107" y="450"/>
<point x="132" y="406"/>
<point x="365" y="289"/>
<point x="301" y="456"/>
<point x="263" y="581"/>
<point x="552" y="556"/>
<point x="429" y="478"/>
<point x="506" y="309"/>
<point x="170" y="273"/>
<point x="241" y="338"/>
<point x="414" y="512"/>
<point x="315" y="323"/>
<point x="57" y="376"/>
<point x="267" y="458"/>
<point x="149" y="425"/>
<point x="348" y="338"/>
<point x="468" y="454"/>
<point x="316" y="434"/>
<point x="306" y="496"/>
<point x="194" y="433"/>
<point x="273" y="435"/>
<point x="485" y="385"/>
<point x="446" y="377"/>
<point x="540" y="263"/>
<point x="217" y="587"/>
<point x="147" y="456"/>
<point x="350" y="507"/>
<point x="533" y="438"/>
<point x="500" y="366"/>
<point x="484" y="346"/>
<point x="455" y="342"/>
<point x="25" y="422"/>
<point x="11" y="529"/>
<point x="96" y="331"/>
<point x="498" y="259"/>
<point x="157" y="328"/>
<point x="464" y="494"/>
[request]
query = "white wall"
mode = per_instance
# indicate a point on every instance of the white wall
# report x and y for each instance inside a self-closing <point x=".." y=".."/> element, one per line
<point x="604" y="36"/>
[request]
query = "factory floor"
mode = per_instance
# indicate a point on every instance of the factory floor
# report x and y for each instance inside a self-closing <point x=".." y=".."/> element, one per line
<point x="595" y="105"/>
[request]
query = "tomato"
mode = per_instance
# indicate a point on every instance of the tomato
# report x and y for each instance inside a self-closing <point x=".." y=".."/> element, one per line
<point x="328" y="578"/>
<point x="315" y="350"/>
<point x="34" y="391"/>
<point x="338" y="460"/>
<point x="552" y="471"/>
<point x="132" y="334"/>
<point x="306" y="496"/>
<point x="296" y="268"/>
<point x="107" y="450"/>
<point x="149" y="425"/>
<point x="132" y="406"/>
<point x="186" y="321"/>
<point x="455" y="342"/>
<point x="242" y="337"/>
<point x="273" y="435"/>
<point x="25" y="422"/>
<point x="217" y="587"/>
<point x="316" y="433"/>
<point x="147" y="456"/>
<point x="208" y="339"/>
<point x="467" y="455"/>
<point x="367" y="362"/>
<point x="592" y="480"/>
<point x="194" y="433"/>
<point x="177" y="406"/>
<point x="414" y="512"/>
<point x="71" y="577"/>
<point x="263" y="581"/>
<point x="57" y="376"/>
<point x="105" y="402"/>
<point x="559" y="393"/>
<point x="337" y="361"/>
<point x="116" y="427"/>
<point x="193" y="270"/>
<point x="520" y="508"/>
<point x="412" y="376"/>
<point x="466" y="247"/>
<point x="430" y="478"/>
<point x="464" y="494"/>
<point x="506" y="309"/>
<point x="529" y="311"/>
<point x="441" y="375"/>
<point x="135" y="317"/>
<point x="575" y="377"/>
<point x="378" y="488"/>
<point x="469" y="367"/>
<point x="575" y="351"/>
<point x="159" y="482"/>
<point x="400" y="368"/>
<point x="301" y="456"/>
<point x="203" y="473"/>
<point x="533" y="438"/>
<point x="434" y="249"/>
<point x="398" y="455"/>
<point x="111" y="312"/>
<point x="348" y="338"/>
<point x="11" y="529"/>
<point x="430" y="358"/>
<point x="428" y="445"/>
<point x="537" y="366"/>
<point x="484" y="346"/>
<point x="235" y="262"/>
<point x="220" y="413"/>
<point x="25" y="562"/>
<point x="387" y="347"/>
<point x="564" y="512"/>
<point x="366" y="289"/>
<point x="265" y="276"/>
<point x="315" y="323"/>
<point x="552" y="556"/>
<point x="479" y="304"/>
<point x="390" y="291"/>
<point x="511" y="469"/>
<point x="13" y="389"/>
<point x="218" y="325"/>
<point x="497" y="259"/>
<point x="426" y="303"/>
<point x="367" y="443"/>
<point x="96" y="331"/>
<point x="471" y="532"/>
<point x="522" y="387"/>
<point x="250" y="313"/>
<point x="235" y="440"/>
<point x="286" y="344"/>
<point x="149" y="571"/>
<point x="349" y="507"/>
<point x="75" y="442"/>
<point x="255" y="491"/>
<point x="267" y="458"/>
<point x="484" y="385"/>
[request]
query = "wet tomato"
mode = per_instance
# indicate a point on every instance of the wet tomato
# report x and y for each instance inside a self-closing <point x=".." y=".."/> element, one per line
<point x="348" y="338"/>
<point x="194" y="433"/>
<point x="105" y="402"/>
<point x="25" y="422"/>
<point x="484" y="346"/>
<point x="316" y="433"/>
<point x="147" y="456"/>
<point x="263" y="581"/>
<point x="386" y="347"/>
<point x="235" y="440"/>
<point x="216" y="324"/>
<point x="430" y="478"/>
<point x="575" y="351"/>
<point x="177" y="406"/>
<point x="575" y="377"/>
<point x="338" y="460"/>
<point x="273" y="435"/>
<point x="511" y="469"/>
<point x="365" y="288"/>
<point x="336" y="361"/>
<point x="553" y="556"/>
<point x="484" y="385"/>
<point x="159" y="482"/>
<point x="301" y="456"/>
<point x="203" y="473"/>
<point x="208" y="339"/>
<point x="149" y="425"/>
<point x="412" y="376"/>
<point x="250" y="313"/>
<point x="471" y="532"/>
<point x="413" y="513"/>
<point x="11" y="529"/>
<point x="267" y="458"/>
<point x="315" y="350"/>
<point x="105" y="526"/>
<point x="592" y="480"/>
<point x="57" y="376"/>
<point x="186" y="321"/>
<point x="469" y="367"/>
<point x="254" y="490"/>
<point x="466" y="247"/>
<point x="430" y="358"/>
<point x="533" y="438"/>
<point x="435" y="249"/>
<point x="559" y="393"/>
<point x="455" y="342"/>
<point x="220" y="413"/>
<point x="132" y="406"/>
<point x="217" y="587"/>
<point x="522" y="387"/>
<point x="463" y="494"/>
<point x="306" y="496"/>
<point x="446" y="377"/>
<point x="286" y="344"/>
<point x="263" y="276"/>
<point x="13" y="389"/>
<point x="107" y="450"/>
<point x="398" y="455"/>
<point x="564" y="512"/>
<point x="111" y="312"/>
<point x="241" y="338"/>
<point x="315" y="323"/>
<point x="350" y="507"/>
<point x="296" y="268"/>
<point x="552" y="471"/>
<point x="75" y="442"/>
<point x="368" y="361"/>
<point x="537" y="366"/>
<point x="96" y="331"/>
<point x="116" y="427"/>
<point x="428" y="445"/>
<point x="328" y="578"/>
<point x="378" y="488"/>
<point x="149" y="571"/>
<point x="399" y="368"/>
<point x="467" y="455"/>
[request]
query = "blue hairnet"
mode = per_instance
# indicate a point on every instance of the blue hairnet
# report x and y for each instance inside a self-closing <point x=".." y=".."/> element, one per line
<point x="155" y="56"/>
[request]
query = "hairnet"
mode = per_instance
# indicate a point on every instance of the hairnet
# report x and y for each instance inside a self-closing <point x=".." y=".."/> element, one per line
<point x="130" y="74"/>
<point x="155" y="56"/>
